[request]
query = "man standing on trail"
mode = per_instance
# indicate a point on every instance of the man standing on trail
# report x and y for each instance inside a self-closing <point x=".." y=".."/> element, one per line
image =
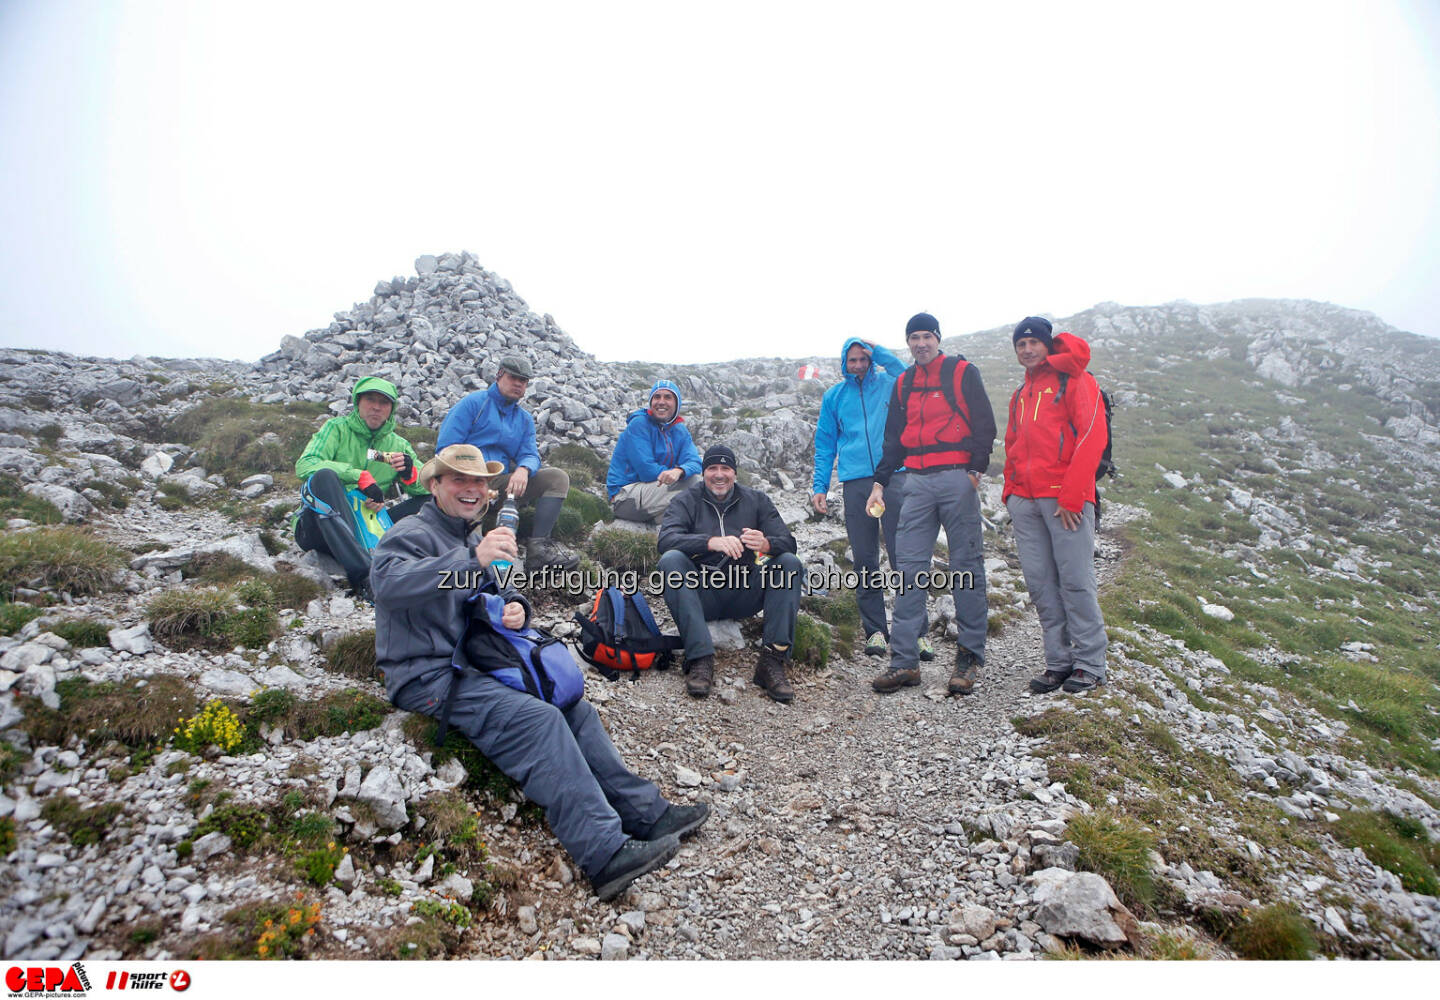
<point x="1054" y="439"/>
<point x="852" y="428"/>
<point x="940" y="429"/>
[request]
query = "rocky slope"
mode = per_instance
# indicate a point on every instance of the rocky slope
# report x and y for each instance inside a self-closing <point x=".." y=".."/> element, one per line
<point x="1265" y="558"/>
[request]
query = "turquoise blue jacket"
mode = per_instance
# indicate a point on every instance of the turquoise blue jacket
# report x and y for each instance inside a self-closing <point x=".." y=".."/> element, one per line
<point x="852" y="418"/>
<point x="647" y="447"/>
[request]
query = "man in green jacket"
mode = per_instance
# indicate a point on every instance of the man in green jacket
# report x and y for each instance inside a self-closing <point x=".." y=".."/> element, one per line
<point x="339" y="459"/>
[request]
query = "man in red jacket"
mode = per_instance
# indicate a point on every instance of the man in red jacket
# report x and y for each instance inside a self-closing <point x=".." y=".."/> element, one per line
<point x="1053" y="443"/>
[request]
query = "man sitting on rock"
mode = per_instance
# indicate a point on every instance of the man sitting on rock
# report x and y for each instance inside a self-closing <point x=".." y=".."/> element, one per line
<point x="654" y="458"/>
<point x="337" y="460"/>
<point x="614" y="823"/>
<point x="492" y="420"/>
<point x="712" y="539"/>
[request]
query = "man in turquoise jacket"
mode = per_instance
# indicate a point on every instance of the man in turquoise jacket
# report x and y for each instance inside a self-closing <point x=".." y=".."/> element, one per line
<point x="852" y="428"/>
<point x="492" y="420"/>
<point x="654" y="458"/>
<point x="337" y="460"/>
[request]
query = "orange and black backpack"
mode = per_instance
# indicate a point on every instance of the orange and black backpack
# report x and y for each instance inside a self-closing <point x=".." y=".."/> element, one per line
<point x="620" y="634"/>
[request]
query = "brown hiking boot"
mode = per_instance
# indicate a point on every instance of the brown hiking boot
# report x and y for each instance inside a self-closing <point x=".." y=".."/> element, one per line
<point x="893" y="680"/>
<point x="967" y="666"/>
<point x="699" y="674"/>
<point x="770" y="675"/>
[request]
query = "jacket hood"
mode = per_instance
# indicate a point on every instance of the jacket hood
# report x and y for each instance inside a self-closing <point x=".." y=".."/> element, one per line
<point x="373" y="383"/>
<point x="846" y="350"/>
<point x="664" y="383"/>
<point x="1068" y="354"/>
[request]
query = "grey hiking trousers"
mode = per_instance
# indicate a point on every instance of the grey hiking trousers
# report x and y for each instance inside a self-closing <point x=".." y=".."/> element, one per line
<point x="865" y="534"/>
<point x="646" y="502"/>
<point x="564" y="761"/>
<point x="932" y="501"/>
<point x="1059" y="568"/>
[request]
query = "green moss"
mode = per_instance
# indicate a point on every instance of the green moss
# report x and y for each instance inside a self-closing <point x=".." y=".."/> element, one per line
<point x="812" y="642"/>
<point x="14" y="616"/>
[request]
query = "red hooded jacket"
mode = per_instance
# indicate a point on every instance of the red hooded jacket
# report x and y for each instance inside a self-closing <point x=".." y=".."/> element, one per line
<point x="1052" y="447"/>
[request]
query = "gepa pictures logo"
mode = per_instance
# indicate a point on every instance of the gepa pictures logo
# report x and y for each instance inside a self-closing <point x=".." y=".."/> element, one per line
<point x="46" y="980"/>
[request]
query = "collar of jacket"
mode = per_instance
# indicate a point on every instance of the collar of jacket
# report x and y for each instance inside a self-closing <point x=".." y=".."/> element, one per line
<point x="456" y="526"/>
<point x="722" y="505"/>
<point x="505" y="405"/>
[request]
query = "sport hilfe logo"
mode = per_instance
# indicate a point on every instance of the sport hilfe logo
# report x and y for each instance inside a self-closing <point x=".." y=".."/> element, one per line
<point x="179" y="980"/>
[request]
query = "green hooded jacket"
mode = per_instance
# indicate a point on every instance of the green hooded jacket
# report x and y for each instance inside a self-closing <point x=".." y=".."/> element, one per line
<point x="341" y="443"/>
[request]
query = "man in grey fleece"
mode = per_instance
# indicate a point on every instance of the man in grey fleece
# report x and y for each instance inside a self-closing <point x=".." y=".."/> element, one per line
<point x="614" y="823"/>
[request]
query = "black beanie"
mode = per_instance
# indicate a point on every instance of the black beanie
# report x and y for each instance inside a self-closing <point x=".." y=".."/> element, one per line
<point x="1033" y="326"/>
<point x="922" y="321"/>
<point x="718" y="454"/>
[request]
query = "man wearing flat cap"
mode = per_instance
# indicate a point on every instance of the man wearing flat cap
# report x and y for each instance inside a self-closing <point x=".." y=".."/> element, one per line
<point x="492" y="420"/>
<point x="712" y="540"/>
<point x="615" y="824"/>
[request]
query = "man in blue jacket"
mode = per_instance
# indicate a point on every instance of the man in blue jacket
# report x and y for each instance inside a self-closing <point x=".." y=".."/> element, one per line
<point x="852" y="428"/>
<point x="492" y="420"/>
<point x="654" y="458"/>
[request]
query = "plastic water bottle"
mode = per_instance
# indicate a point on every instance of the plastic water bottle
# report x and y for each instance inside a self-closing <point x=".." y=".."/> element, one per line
<point x="509" y="517"/>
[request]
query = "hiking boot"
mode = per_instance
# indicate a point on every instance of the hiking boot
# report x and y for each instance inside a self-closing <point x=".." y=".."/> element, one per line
<point x="679" y="820"/>
<point x="967" y="666"/>
<point x="876" y="645"/>
<point x="548" y="552"/>
<point x="699" y="675"/>
<point x="633" y="859"/>
<point x="894" y="680"/>
<point x="770" y="675"/>
<point x="1048" y="681"/>
<point x="927" y="651"/>
<point x="1081" y="680"/>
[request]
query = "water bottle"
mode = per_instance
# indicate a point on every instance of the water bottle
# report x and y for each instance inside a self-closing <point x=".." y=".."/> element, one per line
<point x="509" y="517"/>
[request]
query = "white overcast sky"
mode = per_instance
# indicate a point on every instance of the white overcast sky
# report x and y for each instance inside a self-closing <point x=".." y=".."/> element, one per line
<point x="694" y="182"/>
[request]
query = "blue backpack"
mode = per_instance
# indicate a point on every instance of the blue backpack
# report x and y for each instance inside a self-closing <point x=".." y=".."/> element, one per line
<point x="367" y="525"/>
<point x="526" y="659"/>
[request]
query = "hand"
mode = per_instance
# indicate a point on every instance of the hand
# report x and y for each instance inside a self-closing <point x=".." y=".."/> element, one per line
<point x="1068" y="518"/>
<point x="370" y="487"/>
<point x="974" y="479"/>
<point x="374" y="507"/>
<point x="519" y="480"/>
<point x="400" y="462"/>
<point x="728" y="544"/>
<point x="513" y="615"/>
<point x="819" y="503"/>
<point x="755" y="540"/>
<point x="670" y="476"/>
<point x="877" y="495"/>
<point x="498" y="543"/>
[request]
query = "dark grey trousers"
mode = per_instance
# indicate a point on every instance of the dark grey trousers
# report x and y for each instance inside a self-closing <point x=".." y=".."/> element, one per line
<point x="774" y="588"/>
<point x="940" y="499"/>
<point x="864" y="533"/>
<point x="335" y="535"/>
<point x="563" y="761"/>
<point x="1059" y="568"/>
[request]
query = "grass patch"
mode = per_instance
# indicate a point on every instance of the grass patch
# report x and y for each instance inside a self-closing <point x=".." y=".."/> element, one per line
<point x="812" y="642"/>
<point x="82" y="824"/>
<point x="353" y="655"/>
<point x="1117" y="848"/>
<point x="334" y="714"/>
<point x="140" y="713"/>
<point x="238" y="438"/>
<point x="13" y="617"/>
<point x="624" y="550"/>
<point x="15" y="502"/>
<point x="1396" y="843"/>
<point x="83" y="633"/>
<point x="215" y="619"/>
<point x="840" y="611"/>
<point x="1275" y="933"/>
<point x="579" y="513"/>
<point x="64" y="558"/>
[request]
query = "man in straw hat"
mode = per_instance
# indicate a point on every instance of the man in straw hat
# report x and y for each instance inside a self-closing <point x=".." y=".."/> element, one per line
<point x="614" y="823"/>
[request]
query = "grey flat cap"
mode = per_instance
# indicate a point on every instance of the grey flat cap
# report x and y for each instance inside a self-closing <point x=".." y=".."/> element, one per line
<point x="516" y="364"/>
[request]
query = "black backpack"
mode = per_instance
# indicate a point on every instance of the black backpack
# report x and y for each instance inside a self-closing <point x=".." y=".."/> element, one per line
<point x="1107" y="459"/>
